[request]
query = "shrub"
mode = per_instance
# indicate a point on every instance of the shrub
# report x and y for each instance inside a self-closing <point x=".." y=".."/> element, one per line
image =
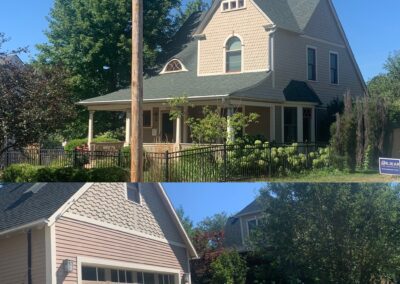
<point x="75" y="143"/>
<point x="29" y="173"/>
<point x="229" y="268"/>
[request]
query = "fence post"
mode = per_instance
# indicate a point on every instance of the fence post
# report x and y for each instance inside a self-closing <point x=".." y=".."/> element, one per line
<point x="119" y="158"/>
<point x="307" y="161"/>
<point x="225" y="164"/>
<point x="270" y="161"/>
<point x="40" y="156"/>
<point x="74" y="158"/>
<point x="166" y="158"/>
<point x="7" y="158"/>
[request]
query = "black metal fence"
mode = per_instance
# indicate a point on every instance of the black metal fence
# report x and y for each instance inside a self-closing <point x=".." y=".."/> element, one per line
<point x="204" y="164"/>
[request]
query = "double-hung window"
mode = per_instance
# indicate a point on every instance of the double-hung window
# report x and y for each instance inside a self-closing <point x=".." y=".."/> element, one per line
<point x="234" y="55"/>
<point x="311" y="64"/>
<point x="334" y="67"/>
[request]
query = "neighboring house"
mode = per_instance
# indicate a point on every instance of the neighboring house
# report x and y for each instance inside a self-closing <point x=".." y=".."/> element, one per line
<point x="286" y="60"/>
<point x="239" y="227"/>
<point x="91" y="233"/>
<point x="11" y="59"/>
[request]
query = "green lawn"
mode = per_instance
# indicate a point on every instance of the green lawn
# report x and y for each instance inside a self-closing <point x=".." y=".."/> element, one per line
<point x="336" y="176"/>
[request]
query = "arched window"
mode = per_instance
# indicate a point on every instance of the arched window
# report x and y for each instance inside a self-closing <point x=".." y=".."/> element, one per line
<point x="174" y="66"/>
<point x="234" y="55"/>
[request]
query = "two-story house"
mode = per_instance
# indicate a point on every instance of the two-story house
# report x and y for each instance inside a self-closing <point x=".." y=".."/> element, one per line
<point x="76" y="233"/>
<point x="283" y="59"/>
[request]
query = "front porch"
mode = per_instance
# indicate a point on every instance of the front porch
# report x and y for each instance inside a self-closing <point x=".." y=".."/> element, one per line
<point x="280" y="123"/>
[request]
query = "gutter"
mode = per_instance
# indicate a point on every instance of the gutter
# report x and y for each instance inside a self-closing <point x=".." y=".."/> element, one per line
<point x="31" y="225"/>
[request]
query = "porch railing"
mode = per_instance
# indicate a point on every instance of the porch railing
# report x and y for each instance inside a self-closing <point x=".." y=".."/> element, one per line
<point x="203" y="164"/>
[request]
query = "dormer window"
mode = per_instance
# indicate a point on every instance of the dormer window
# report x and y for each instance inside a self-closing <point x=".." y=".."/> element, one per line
<point x="234" y="55"/>
<point x="173" y="66"/>
<point x="231" y="5"/>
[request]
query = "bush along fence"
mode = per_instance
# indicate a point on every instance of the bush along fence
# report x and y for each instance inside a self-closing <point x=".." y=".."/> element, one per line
<point x="203" y="164"/>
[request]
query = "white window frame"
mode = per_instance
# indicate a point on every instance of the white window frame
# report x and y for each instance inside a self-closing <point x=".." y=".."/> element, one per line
<point x="316" y="63"/>
<point x="247" y="224"/>
<point x="151" y="118"/>
<point x="97" y="271"/>
<point x="125" y="271"/>
<point x="140" y="194"/>
<point x="330" y="67"/>
<point x="226" y="53"/>
<point x="164" y="70"/>
<point x="229" y="5"/>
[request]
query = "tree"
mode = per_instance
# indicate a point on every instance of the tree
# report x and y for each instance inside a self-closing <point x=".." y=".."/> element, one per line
<point x="92" y="40"/>
<point x="192" y="7"/>
<point x="35" y="103"/>
<point x="212" y="127"/>
<point x="331" y="233"/>
<point x="186" y="222"/>
<point x="229" y="268"/>
<point x="215" y="223"/>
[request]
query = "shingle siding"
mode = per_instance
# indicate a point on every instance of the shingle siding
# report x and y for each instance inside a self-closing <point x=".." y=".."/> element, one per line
<point x="107" y="203"/>
<point x="249" y="25"/>
<point x="14" y="258"/>
<point x="291" y="64"/>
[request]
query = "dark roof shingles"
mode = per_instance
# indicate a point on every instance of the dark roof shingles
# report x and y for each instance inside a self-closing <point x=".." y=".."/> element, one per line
<point x="18" y="207"/>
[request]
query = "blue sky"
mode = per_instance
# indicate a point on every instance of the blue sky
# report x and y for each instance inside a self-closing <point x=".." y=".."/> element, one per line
<point x="206" y="199"/>
<point x="373" y="28"/>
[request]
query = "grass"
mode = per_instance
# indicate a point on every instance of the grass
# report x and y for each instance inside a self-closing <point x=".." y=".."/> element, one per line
<point x="338" y="176"/>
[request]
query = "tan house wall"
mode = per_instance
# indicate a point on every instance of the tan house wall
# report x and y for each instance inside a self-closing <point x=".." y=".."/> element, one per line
<point x="14" y="258"/>
<point x="107" y="203"/>
<point x="79" y="239"/>
<point x="246" y="23"/>
<point x="263" y="125"/>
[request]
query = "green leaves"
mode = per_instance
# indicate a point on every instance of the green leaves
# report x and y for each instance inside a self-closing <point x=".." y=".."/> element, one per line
<point x="331" y="233"/>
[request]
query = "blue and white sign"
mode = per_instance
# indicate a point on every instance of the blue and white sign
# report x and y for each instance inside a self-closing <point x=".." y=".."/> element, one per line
<point x="389" y="166"/>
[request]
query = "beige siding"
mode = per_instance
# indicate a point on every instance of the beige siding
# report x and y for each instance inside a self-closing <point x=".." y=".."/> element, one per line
<point x="14" y="258"/>
<point x="263" y="125"/>
<point x="291" y="64"/>
<point x="75" y="238"/>
<point x="249" y="25"/>
<point x="106" y="202"/>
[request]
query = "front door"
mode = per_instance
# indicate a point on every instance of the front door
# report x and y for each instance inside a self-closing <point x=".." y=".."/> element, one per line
<point x="167" y="129"/>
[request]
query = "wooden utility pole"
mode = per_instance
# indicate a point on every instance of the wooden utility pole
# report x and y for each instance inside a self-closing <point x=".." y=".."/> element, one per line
<point x="137" y="92"/>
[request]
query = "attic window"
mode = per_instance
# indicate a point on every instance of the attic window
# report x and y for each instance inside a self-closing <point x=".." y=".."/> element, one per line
<point x="173" y="66"/>
<point x="133" y="192"/>
<point x="231" y="5"/>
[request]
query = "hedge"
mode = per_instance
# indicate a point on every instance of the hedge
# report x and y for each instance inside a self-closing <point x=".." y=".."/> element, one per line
<point x="28" y="173"/>
<point x="75" y="143"/>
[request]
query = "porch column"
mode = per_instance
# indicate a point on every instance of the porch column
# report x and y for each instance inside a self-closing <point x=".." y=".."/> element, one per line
<point x="313" y="125"/>
<point x="230" y="131"/>
<point x="178" y="138"/>
<point x="272" y="134"/>
<point x="128" y="128"/>
<point x="185" y="127"/>
<point x="300" y="124"/>
<point x="90" y="134"/>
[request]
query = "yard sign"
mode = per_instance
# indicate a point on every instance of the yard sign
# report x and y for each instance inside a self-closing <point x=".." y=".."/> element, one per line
<point x="389" y="166"/>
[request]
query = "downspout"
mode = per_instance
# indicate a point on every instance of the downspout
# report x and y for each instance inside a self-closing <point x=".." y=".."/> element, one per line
<point x="29" y="236"/>
<point x="271" y="29"/>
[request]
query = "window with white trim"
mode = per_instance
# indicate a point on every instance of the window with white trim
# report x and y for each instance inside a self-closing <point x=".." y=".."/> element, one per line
<point x="334" y="67"/>
<point x="252" y="226"/>
<point x="231" y="5"/>
<point x="133" y="192"/>
<point x="93" y="273"/>
<point x="166" y="279"/>
<point x="173" y="66"/>
<point x="311" y="64"/>
<point x="121" y="276"/>
<point x="234" y="55"/>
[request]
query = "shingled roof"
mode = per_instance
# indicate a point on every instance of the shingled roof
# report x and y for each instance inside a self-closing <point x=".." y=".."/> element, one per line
<point x="20" y="205"/>
<point x="292" y="15"/>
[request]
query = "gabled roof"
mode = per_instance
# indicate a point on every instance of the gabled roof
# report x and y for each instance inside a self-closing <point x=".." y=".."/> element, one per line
<point x="19" y="206"/>
<point x="253" y="207"/>
<point x="292" y="15"/>
<point x="299" y="91"/>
